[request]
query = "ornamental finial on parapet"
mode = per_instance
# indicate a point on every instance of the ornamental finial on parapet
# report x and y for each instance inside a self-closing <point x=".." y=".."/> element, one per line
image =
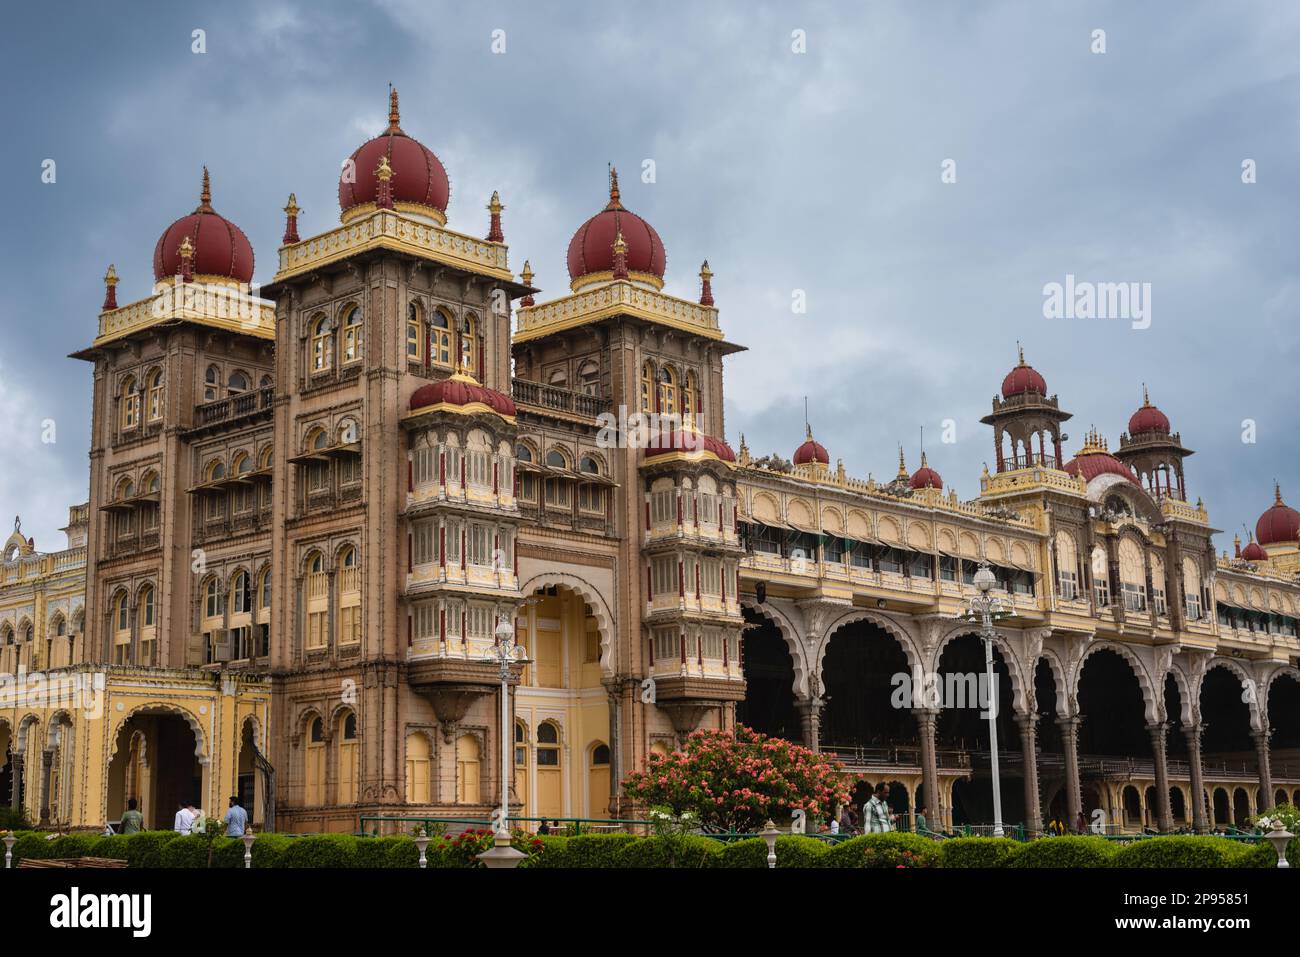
<point x="291" y="211"/>
<point x="110" y="288"/>
<point x="706" y="284"/>
<point x="494" y="208"/>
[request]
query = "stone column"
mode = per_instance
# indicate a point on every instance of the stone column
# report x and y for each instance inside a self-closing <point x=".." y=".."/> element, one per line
<point x="1164" y="816"/>
<point x="1193" y="734"/>
<point x="47" y="765"/>
<point x="1029" y="748"/>
<point x="16" y="793"/>
<point x="1073" y="792"/>
<point x="1265" y="768"/>
<point x="810" y="721"/>
<point x="926" y="720"/>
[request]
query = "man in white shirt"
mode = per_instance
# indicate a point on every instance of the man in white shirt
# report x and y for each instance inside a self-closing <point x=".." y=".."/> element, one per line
<point x="876" y="814"/>
<point x="185" y="819"/>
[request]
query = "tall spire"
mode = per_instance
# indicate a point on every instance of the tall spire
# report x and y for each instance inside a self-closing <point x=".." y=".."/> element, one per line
<point x="706" y="284"/>
<point x="1146" y="396"/>
<point x="1277" y="492"/>
<point x="1021" y="350"/>
<point x="902" y="467"/>
<point x="394" y="118"/>
<point x="526" y="277"/>
<point x="614" y="201"/>
<point x="205" y="195"/>
<point x="494" y="226"/>
<point x="110" y="289"/>
<point x="291" y="211"/>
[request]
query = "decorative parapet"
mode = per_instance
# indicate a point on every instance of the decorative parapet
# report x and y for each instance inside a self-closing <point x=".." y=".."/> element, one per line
<point x="43" y="565"/>
<point x="220" y="303"/>
<point x="390" y="229"/>
<point x="1034" y="477"/>
<point x="1175" y="509"/>
<point x="619" y="297"/>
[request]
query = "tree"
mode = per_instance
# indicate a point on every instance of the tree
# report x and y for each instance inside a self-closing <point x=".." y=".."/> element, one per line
<point x="739" y="779"/>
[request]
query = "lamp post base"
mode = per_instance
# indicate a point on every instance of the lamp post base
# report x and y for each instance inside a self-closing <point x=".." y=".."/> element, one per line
<point x="502" y="854"/>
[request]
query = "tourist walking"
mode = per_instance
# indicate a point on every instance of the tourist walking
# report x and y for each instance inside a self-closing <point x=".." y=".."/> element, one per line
<point x="236" y="819"/>
<point x="877" y="818"/>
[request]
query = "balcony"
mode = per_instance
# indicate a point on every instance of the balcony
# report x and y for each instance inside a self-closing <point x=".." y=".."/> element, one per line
<point x="234" y="407"/>
<point x="542" y="396"/>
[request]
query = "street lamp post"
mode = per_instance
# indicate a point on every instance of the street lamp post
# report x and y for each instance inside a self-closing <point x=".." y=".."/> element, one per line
<point x="506" y="654"/>
<point x="988" y="607"/>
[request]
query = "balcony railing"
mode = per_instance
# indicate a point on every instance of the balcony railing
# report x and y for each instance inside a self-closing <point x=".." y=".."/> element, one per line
<point x="234" y="406"/>
<point x="560" y="400"/>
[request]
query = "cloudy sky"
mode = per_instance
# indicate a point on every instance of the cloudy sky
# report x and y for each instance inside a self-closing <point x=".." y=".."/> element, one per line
<point x="817" y="171"/>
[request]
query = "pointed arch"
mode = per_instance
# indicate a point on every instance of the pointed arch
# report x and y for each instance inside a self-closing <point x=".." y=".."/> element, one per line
<point x="595" y="601"/>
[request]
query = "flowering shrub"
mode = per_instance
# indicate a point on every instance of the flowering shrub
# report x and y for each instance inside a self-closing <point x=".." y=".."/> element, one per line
<point x="1286" y="816"/>
<point x="738" y="780"/>
<point x="893" y="850"/>
<point x="463" y="849"/>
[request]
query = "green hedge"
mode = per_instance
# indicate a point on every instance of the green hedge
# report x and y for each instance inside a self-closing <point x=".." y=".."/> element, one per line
<point x="687" y="850"/>
<point x="152" y="849"/>
<point x="977" y="851"/>
<point x="1068" y="851"/>
<point x="894" y="849"/>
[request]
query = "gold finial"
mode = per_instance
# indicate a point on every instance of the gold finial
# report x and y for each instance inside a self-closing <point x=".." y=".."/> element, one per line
<point x="902" y="468"/>
<point x="186" y="248"/>
<point x="383" y="170"/>
<point x="614" y="201"/>
<point x="110" y="277"/>
<point x="1277" y="492"/>
<point x="394" y="118"/>
<point x="620" y="245"/>
<point x="1021" y="350"/>
<point x="923" y="462"/>
<point x="1146" y="397"/>
<point x="292" y="209"/>
<point x="205" y="196"/>
<point x="527" y="275"/>
<point x="494" y="205"/>
<point x="705" y="272"/>
<point x="808" y="431"/>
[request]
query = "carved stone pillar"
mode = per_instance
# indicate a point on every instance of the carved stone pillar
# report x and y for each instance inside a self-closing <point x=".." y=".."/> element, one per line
<point x="16" y="792"/>
<point x="1193" y="735"/>
<point x="810" y="721"/>
<point x="1164" y="815"/>
<point x="926" y="720"/>
<point x="1029" y="748"/>
<point x="47" y="766"/>
<point x="1265" y="769"/>
<point x="1073" y="792"/>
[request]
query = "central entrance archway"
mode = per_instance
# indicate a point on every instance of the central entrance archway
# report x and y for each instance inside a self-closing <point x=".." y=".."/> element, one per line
<point x="858" y="680"/>
<point x="769" y="705"/>
<point x="155" y="762"/>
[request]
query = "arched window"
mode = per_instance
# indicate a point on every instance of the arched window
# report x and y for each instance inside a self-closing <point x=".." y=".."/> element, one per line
<point x="266" y="382"/>
<point x="148" y="625"/>
<point x="349" y="597"/>
<point x="240" y="594"/>
<point x="419" y="759"/>
<point x="353" y="335"/>
<point x="210" y="379"/>
<point x="589" y="377"/>
<point x="154" y="388"/>
<point x="468" y="755"/>
<point x="523" y="453"/>
<point x="414" y="333"/>
<point x="589" y="465"/>
<point x="237" y="383"/>
<point x="600" y="755"/>
<point x="559" y="378"/>
<point x="61" y="629"/>
<point x="264" y="588"/>
<point x="314" y="765"/>
<point x="548" y="745"/>
<point x="121" y="630"/>
<point x="647" y="387"/>
<point x="317" y="588"/>
<point x="691" y="399"/>
<point x="667" y="391"/>
<point x="130" y="403"/>
<point x="468" y="345"/>
<point x="211" y="599"/>
<point x="555" y="458"/>
<point x="243" y="463"/>
<point x="440" y="340"/>
<point x="322" y="344"/>
<point x="348" y="759"/>
<point x="146" y="607"/>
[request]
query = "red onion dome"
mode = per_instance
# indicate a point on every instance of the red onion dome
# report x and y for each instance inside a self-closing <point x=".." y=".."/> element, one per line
<point x="687" y="441"/>
<point x="591" y="250"/>
<point x="1094" y="459"/>
<point x="811" y="451"/>
<point x="1254" y="552"/>
<point x="1023" y="378"/>
<point x="220" y="247"/>
<point x="1148" y="418"/>
<point x="461" y="390"/>
<point x="1280" y="525"/>
<point x="418" y="175"/>
<point x="925" y="477"/>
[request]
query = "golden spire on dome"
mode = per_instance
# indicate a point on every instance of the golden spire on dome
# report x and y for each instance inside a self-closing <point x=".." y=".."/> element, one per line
<point x="1021" y="350"/>
<point x="1277" y="492"/>
<point x="902" y="467"/>
<point x="614" y="201"/>
<point x="186" y="248"/>
<point x="924" y="464"/>
<point x="205" y="195"/>
<point x="526" y="277"/>
<point x="394" y="117"/>
<point x="383" y="170"/>
<point x="1093" y="443"/>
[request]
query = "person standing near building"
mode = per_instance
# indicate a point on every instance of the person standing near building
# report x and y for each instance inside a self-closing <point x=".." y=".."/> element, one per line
<point x="184" y="819"/>
<point x="921" y="824"/>
<point x="876" y="815"/>
<point x="236" y="819"/>
<point x="132" y="820"/>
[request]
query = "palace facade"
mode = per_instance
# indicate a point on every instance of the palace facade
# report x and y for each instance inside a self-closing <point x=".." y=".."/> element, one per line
<point x="311" y="510"/>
